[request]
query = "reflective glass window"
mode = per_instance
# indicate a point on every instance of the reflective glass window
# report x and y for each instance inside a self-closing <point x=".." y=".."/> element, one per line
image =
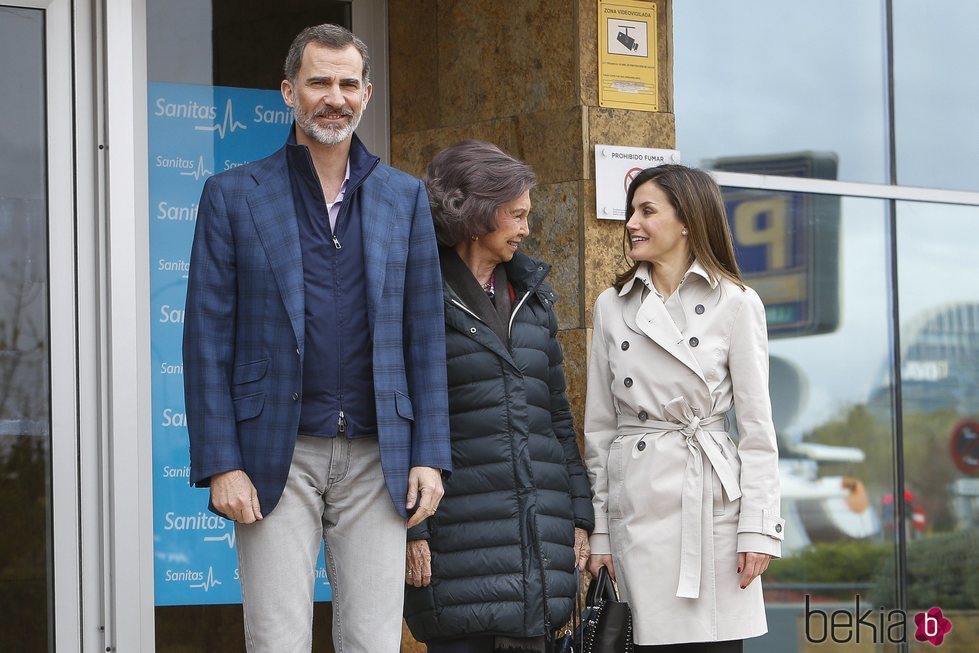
<point x="939" y="302"/>
<point x="936" y="93"/>
<point x="769" y="77"/>
<point x="820" y="264"/>
<point x="25" y="394"/>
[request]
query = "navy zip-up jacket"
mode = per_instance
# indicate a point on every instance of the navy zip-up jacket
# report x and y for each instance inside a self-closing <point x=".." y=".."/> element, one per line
<point x="338" y="384"/>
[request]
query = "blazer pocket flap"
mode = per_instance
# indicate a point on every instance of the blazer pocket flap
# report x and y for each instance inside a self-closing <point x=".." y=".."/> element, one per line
<point x="403" y="405"/>
<point x="764" y="522"/>
<point x="248" y="372"/>
<point x="249" y="406"/>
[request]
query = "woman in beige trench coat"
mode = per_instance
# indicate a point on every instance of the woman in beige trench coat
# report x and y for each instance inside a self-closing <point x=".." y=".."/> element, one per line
<point x="685" y="519"/>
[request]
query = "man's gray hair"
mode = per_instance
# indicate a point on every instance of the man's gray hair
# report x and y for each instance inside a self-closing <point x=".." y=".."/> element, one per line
<point x="467" y="182"/>
<point x="329" y="36"/>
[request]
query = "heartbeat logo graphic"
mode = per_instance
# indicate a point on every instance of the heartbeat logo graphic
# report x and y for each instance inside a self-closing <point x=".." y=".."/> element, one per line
<point x="208" y="582"/>
<point x="228" y="537"/>
<point x="228" y="123"/>
<point x="199" y="171"/>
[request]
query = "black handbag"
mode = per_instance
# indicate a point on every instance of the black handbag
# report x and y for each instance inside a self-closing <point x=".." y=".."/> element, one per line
<point x="606" y="621"/>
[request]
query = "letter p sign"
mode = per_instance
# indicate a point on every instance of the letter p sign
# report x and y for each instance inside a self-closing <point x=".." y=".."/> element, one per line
<point x="764" y="223"/>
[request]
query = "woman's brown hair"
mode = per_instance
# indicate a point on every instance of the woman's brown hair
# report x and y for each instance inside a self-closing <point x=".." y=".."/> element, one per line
<point x="699" y="206"/>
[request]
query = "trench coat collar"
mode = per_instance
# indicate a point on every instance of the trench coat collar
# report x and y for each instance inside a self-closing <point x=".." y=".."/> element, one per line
<point x="649" y="317"/>
<point x="644" y="276"/>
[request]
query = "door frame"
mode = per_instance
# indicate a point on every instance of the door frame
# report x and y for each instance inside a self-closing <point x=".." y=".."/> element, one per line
<point x="124" y="327"/>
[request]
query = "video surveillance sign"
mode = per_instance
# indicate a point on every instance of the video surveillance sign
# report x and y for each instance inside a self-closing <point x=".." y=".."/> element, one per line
<point x="628" y="75"/>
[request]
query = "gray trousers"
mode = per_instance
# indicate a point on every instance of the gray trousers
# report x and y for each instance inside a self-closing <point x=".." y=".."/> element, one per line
<point x="335" y="492"/>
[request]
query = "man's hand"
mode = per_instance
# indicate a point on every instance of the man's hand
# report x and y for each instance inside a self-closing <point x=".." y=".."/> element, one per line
<point x="418" y="572"/>
<point x="234" y="496"/>
<point x="582" y="548"/>
<point x="597" y="561"/>
<point x="751" y="566"/>
<point x="425" y="490"/>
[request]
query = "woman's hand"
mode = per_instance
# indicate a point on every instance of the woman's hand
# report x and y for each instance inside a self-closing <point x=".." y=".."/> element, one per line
<point x="751" y="565"/>
<point x="597" y="561"/>
<point x="582" y="548"/>
<point x="418" y="572"/>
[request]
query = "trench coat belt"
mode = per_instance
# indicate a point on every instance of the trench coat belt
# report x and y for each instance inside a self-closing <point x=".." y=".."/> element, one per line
<point x="695" y="484"/>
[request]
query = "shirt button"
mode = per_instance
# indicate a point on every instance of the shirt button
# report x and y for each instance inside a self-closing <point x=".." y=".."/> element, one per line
<point x="694" y="342"/>
<point x="297" y="352"/>
<point x="641" y="446"/>
<point x="699" y="309"/>
<point x="643" y="416"/>
<point x="778" y="528"/>
<point x="627" y="382"/>
<point x="295" y="396"/>
<point x="625" y="345"/>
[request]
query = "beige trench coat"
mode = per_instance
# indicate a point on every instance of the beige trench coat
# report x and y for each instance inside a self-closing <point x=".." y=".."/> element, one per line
<point x="675" y="498"/>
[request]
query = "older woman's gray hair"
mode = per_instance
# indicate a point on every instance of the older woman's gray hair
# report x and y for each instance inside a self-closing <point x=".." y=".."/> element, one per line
<point x="467" y="182"/>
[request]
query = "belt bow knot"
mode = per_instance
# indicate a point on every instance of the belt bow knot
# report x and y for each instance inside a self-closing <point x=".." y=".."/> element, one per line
<point x="695" y="485"/>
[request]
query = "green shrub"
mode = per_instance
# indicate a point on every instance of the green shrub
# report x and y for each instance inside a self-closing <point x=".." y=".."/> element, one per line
<point x="849" y="561"/>
<point x="943" y="570"/>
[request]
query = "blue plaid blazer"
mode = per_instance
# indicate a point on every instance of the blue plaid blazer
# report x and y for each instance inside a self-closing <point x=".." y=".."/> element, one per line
<point x="244" y="326"/>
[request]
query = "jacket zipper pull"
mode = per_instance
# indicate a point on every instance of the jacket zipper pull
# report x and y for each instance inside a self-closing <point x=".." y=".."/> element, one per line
<point x="342" y="422"/>
<point x="336" y="242"/>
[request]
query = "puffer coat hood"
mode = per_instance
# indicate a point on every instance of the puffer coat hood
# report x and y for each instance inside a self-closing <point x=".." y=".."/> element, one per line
<point x="502" y="539"/>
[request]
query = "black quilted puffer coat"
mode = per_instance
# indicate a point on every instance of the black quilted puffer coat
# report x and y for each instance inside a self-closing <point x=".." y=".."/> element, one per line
<point x="502" y="539"/>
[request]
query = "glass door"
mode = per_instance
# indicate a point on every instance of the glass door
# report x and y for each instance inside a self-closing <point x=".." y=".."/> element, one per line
<point x="213" y="72"/>
<point x="38" y="416"/>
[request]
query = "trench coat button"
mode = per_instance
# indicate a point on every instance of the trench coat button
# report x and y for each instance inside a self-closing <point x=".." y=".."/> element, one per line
<point x="778" y="528"/>
<point x="641" y="446"/>
<point x="627" y="382"/>
<point x="694" y="342"/>
<point x="625" y="345"/>
<point x="643" y="416"/>
<point x="472" y="329"/>
<point x="699" y="309"/>
<point x="295" y="396"/>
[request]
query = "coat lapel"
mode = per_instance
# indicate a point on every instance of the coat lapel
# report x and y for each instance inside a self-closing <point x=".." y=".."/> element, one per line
<point x="377" y="215"/>
<point x="274" y="215"/>
<point x="651" y="318"/>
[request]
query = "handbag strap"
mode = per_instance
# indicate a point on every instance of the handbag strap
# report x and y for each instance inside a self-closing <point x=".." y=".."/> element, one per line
<point x="577" y="634"/>
<point x="601" y="588"/>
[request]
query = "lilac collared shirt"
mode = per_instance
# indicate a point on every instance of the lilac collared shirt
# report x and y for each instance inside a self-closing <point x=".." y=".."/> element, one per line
<point x="333" y="208"/>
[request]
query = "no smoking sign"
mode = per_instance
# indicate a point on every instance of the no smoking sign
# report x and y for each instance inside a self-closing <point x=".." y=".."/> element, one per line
<point x="964" y="446"/>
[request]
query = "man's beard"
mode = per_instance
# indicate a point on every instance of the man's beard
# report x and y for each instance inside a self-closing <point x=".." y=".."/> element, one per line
<point x="326" y="135"/>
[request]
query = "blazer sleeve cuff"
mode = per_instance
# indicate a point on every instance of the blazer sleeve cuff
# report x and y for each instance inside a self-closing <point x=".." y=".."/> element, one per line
<point x="758" y="543"/>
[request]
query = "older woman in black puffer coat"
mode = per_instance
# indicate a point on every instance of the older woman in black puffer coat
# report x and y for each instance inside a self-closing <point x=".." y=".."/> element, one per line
<point x="494" y="569"/>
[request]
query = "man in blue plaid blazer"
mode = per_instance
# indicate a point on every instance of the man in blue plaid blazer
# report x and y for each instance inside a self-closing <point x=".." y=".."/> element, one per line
<point x="314" y="362"/>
